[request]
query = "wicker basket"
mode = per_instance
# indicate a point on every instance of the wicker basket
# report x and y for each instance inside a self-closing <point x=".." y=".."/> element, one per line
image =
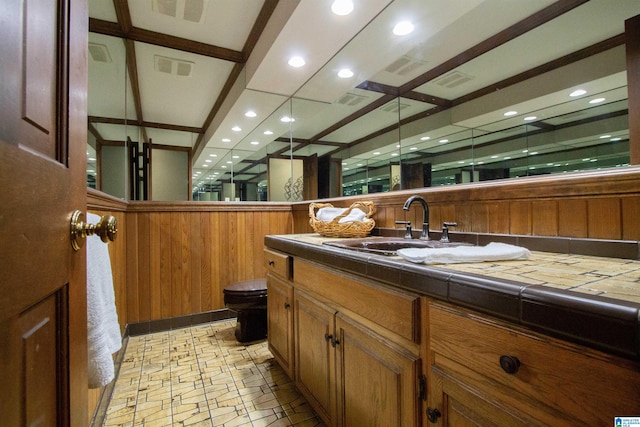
<point x="334" y="228"/>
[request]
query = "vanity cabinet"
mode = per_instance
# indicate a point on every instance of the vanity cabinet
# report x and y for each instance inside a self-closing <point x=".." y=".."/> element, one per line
<point x="355" y="346"/>
<point x="280" y="309"/>
<point x="488" y="372"/>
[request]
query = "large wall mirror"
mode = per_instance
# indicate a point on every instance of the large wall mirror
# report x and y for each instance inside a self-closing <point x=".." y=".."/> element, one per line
<point x="478" y="91"/>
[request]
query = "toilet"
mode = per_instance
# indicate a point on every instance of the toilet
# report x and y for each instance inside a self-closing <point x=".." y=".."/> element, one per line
<point x="249" y="300"/>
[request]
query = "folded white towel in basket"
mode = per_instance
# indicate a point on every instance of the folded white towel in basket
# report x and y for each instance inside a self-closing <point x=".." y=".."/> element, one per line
<point x="103" y="330"/>
<point x="494" y="251"/>
<point x="329" y="214"/>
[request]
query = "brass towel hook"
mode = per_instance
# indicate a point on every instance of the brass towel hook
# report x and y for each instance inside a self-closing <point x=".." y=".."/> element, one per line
<point x="106" y="228"/>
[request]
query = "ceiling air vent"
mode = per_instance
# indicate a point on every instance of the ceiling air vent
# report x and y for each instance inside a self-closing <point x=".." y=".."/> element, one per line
<point x="453" y="79"/>
<point x="393" y="107"/>
<point x="351" y="99"/>
<point x="99" y="52"/>
<point x="189" y="10"/>
<point x="173" y="66"/>
<point x="405" y="65"/>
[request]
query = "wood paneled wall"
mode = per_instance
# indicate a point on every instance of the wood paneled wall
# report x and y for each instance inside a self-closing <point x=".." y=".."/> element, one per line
<point x="174" y="259"/>
<point x="598" y="205"/>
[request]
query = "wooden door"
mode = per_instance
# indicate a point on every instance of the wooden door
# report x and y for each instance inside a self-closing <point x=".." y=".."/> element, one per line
<point x="376" y="380"/>
<point x="43" y="113"/>
<point x="315" y="361"/>
<point x="280" y="322"/>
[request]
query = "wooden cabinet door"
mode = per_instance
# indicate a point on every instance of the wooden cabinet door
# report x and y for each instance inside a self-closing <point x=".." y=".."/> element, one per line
<point x="376" y="380"/>
<point x="314" y="366"/>
<point x="43" y="139"/>
<point x="280" y="321"/>
<point x="453" y="403"/>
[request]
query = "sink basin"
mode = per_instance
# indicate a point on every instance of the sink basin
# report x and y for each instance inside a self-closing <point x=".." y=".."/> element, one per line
<point x="389" y="245"/>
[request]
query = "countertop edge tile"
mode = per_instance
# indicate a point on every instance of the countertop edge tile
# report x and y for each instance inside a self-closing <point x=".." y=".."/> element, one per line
<point x="594" y="320"/>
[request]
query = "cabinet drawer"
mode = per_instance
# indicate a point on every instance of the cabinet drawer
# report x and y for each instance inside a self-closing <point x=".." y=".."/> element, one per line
<point x="278" y="263"/>
<point x="394" y="310"/>
<point x="547" y="378"/>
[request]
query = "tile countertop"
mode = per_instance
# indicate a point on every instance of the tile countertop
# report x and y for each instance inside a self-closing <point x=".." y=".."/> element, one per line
<point x="589" y="300"/>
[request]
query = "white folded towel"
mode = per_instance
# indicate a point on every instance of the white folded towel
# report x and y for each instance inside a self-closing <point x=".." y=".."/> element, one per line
<point x="494" y="251"/>
<point x="329" y="214"/>
<point x="356" y="215"/>
<point x="103" y="330"/>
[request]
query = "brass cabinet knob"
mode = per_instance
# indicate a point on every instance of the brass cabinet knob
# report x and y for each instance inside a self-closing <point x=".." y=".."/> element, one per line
<point x="106" y="228"/>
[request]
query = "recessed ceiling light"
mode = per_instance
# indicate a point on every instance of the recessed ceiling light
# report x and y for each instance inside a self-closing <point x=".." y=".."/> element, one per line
<point x="229" y="162"/>
<point x="605" y="136"/>
<point x="596" y="101"/>
<point x="207" y="161"/>
<point x="376" y="153"/>
<point x="510" y="113"/>
<point x="287" y="119"/>
<point x="236" y="128"/>
<point x="530" y="118"/>
<point x="403" y="28"/>
<point x="413" y="148"/>
<point x="345" y="73"/>
<point x="342" y="7"/>
<point x="296" y="61"/>
<point x="442" y="141"/>
<point x="577" y="92"/>
<point x="234" y="157"/>
<point x="268" y="132"/>
<point x="394" y="154"/>
<point x="615" y="139"/>
<point x="250" y="113"/>
<point x="226" y="140"/>
<point x="255" y="143"/>
<point x="213" y="155"/>
<point x="344" y="163"/>
<point x="425" y="138"/>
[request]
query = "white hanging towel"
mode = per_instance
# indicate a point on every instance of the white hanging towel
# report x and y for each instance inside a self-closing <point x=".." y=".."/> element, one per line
<point x="103" y="330"/>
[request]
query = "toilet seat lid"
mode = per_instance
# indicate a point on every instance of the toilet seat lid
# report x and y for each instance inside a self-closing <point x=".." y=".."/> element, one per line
<point x="257" y="286"/>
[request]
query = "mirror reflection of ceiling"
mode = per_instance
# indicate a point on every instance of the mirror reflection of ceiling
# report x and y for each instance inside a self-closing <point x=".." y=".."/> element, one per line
<point x="188" y="72"/>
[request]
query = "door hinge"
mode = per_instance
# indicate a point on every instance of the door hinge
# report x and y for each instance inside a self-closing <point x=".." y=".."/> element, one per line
<point x="422" y="384"/>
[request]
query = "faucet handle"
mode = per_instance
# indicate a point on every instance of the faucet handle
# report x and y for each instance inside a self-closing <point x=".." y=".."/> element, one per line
<point x="407" y="232"/>
<point x="445" y="231"/>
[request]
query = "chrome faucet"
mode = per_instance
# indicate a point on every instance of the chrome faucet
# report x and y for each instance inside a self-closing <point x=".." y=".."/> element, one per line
<point x="425" y="219"/>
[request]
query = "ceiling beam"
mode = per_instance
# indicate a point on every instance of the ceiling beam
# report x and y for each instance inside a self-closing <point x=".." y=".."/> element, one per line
<point x="151" y="37"/>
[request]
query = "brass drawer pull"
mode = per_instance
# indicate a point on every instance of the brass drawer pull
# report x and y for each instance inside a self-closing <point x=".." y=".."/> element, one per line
<point x="509" y="364"/>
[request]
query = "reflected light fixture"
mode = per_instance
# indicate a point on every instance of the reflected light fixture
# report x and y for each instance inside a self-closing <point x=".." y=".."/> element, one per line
<point x="250" y="113"/>
<point x="596" y="101"/>
<point x="577" y="92"/>
<point x="345" y="73"/>
<point x="342" y="7"/>
<point x="236" y="128"/>
<point x="510" y="113"/>
<point x="296" y="61"/>
<point x="403" y="28"/>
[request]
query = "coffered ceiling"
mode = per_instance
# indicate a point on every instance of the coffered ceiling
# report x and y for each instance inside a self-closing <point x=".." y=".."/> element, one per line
<point x="185" y="72"/>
